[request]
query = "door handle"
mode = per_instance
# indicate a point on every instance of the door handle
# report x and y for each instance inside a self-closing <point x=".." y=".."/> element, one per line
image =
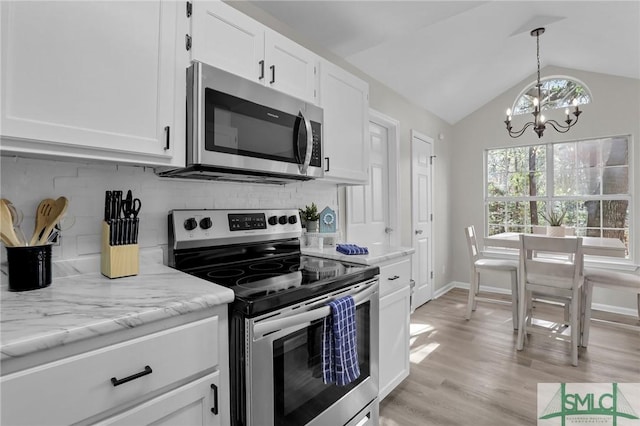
<point x="388" y="230"/>
<point x="418" y="231"/>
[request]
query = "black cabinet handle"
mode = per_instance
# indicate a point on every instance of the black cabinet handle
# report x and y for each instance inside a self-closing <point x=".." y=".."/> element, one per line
<point x="261" y="70"/>
<point x="326" y="161"/>
<point x="273" y="74"/>
<point x="393" y="278"/>
<point x="116" y="382"/>
<point x="167" y="144"/>
<point x="214" y="410"/>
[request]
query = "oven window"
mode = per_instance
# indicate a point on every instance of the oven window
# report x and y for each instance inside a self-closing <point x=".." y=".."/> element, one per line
<point x="299" y="392"/>
<point x="238" y="126"/>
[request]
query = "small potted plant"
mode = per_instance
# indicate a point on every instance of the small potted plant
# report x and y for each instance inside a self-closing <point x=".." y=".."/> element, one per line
<point x="554" y="222"/>
<point x="311" y="216"/>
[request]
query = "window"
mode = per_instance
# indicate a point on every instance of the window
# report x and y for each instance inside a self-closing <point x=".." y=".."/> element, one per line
<point x="587" y="179"/>
<point x="557" y="93"/>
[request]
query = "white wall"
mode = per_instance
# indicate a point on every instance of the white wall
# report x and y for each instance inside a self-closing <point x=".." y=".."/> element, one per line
<point x="615" y="110"/>
<point x="27" y="181"/>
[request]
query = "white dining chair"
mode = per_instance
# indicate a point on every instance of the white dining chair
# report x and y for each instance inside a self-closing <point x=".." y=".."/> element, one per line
<point x="560" y="280"/>
<point x="481" y="264"/>
<point x="613" y="280"/>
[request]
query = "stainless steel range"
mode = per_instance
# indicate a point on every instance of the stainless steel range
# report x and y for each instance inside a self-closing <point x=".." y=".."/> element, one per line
<point x="276" y="318"/>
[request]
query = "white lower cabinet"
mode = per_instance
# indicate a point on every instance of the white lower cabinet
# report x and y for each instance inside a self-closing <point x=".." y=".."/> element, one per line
<point x="194" y="404"/>
<point x="164" y="377"/>
<point x="395" y="309"/>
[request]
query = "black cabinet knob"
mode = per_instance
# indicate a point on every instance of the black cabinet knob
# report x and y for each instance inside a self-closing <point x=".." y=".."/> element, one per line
<point x="282" y="220"/>
<point x="190" y="224"/>
<point x="206" y="223"/>
<point x="293" y="219"/>
<point x="273" y="220"/>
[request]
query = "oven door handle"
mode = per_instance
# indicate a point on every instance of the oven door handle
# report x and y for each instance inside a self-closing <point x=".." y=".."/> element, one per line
<point x="270" y="326"/>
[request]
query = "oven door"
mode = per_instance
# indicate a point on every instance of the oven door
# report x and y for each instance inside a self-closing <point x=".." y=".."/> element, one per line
<point x="284" y="371"/>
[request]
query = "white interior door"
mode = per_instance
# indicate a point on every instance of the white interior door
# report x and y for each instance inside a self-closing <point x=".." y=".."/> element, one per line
<point x="371" y="208"/>
<point x="422" y="216"/>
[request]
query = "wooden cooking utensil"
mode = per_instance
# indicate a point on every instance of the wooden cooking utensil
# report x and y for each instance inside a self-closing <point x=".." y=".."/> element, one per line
<point x="58" y="209"/>
<point x="7" y="232"/>
<point x="42" y="214"/>
<point x="16" y="218"/>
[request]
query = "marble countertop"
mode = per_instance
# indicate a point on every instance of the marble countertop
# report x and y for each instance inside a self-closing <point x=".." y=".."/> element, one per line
<point x="377" y="254"/>
<point x="81" y="303"/>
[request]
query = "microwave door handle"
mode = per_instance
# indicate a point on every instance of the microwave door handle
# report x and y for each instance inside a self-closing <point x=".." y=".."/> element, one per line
<point x="270" y="326"/>
<point x="309" y="144"/>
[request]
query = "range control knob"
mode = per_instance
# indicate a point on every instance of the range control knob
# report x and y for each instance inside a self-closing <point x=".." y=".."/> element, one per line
<point x="206" y="223"/>
<point x="282" y="220"/>
<point x="293" y="219"/>
<point x="190" y="224"/>
<point x="273" y="220"/>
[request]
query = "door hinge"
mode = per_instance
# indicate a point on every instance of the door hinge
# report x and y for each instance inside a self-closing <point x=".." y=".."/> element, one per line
<point x="431" y="159"/>
<point x="188" y="42"/>
<point x="432" y="274"/>
<point x="431" y="217"/>
<point x="189" y="9"/>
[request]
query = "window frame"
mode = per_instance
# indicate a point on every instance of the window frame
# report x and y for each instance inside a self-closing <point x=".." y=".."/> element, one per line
<point x="550" y="198"/>
<point x="544" y="106"/>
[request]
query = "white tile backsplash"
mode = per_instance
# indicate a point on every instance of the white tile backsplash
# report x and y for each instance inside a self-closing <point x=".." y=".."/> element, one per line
<point x="26" y="181"/>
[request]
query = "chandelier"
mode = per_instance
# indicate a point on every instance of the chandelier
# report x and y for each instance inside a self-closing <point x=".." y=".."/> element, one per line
<point x="539" y="122"/>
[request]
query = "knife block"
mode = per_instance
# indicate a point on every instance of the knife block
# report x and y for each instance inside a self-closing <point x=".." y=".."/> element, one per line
<point x="118" y="261"/>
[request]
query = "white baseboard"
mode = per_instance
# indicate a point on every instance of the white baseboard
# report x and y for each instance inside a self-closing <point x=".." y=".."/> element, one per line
<point x="595" y="306"/>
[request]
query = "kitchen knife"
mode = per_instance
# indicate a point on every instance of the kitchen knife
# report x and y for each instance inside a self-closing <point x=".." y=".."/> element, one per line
<point x="118" y="204"/>
<point x="136" y="224"/>
<point x="107" y="206"/>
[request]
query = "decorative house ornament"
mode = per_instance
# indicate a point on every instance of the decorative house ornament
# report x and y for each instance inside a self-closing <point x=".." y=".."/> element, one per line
<point x="539" y="123"/>
<point x="327" y="220"/>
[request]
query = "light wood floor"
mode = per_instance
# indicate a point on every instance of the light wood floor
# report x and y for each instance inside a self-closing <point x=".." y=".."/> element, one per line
<point x="470" y="373"/>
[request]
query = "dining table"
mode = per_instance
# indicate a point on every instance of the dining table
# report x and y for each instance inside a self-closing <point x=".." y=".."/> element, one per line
<point x="595" y="246"/>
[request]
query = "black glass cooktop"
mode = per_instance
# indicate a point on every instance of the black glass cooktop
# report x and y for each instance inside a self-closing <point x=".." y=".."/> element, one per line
<point x="267" y="284"/>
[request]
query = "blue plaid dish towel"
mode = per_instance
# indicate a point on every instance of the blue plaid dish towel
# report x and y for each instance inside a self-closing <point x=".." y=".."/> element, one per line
<point x="351" y="249"/>
<point x="339" y="343"/>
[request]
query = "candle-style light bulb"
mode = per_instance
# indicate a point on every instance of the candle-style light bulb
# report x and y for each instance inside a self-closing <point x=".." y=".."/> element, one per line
<point x="575" y="102"/>
<point x="535" y="102"/>
<point x="541" y="119"/>
<point x="508" y="112"/>
<point x="566" y="111"/>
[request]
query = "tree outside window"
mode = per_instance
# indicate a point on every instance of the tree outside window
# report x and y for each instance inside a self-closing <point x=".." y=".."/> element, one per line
<point x="588" y="179"/>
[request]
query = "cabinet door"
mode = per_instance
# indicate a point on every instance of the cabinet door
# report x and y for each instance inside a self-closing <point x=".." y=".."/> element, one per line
<point x="225" y="38"/>
<point x="290" y="68"/>
<point x="196" y="403"/>
<point x="394" y="340"/>
<point x="345" y="100"/>
<point x="92" y="79"/>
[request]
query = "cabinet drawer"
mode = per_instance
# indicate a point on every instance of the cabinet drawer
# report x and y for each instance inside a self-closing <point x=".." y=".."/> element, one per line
<point x="394" y="275"/>
<point x="72" y="389"/>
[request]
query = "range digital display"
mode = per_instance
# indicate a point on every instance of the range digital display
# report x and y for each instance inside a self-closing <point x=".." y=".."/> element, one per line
<point x="247" y="221"/>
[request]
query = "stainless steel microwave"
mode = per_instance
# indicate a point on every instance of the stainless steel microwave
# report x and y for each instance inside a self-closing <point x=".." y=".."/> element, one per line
<point x="241" y="130"/>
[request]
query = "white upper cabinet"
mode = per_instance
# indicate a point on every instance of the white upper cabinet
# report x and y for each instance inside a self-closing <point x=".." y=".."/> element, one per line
<point x="345" y="101"/>
<point x="223" y="37"/>
<point x="92" y="80"/>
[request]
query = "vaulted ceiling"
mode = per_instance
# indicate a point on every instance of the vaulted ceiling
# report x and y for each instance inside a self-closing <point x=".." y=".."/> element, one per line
<point x="452" y="57"/>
